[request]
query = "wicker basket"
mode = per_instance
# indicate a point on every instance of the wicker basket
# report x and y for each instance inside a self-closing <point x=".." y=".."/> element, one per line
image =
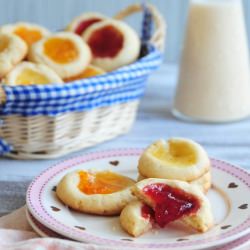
<point x="49" y="135"/>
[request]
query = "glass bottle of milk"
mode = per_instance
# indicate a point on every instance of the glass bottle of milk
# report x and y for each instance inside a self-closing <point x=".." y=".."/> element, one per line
<point x="214" y="79"/>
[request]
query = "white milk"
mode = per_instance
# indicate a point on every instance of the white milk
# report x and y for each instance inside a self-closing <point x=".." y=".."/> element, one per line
<point x="214" y="81"/>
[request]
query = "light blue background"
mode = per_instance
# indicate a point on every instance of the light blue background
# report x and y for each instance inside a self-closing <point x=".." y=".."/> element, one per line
<point x="55" y="14"/>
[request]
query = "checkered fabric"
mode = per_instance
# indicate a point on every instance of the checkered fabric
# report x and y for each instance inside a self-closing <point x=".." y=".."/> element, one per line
<point x="147" y="24"/>
<point x="4" y="147"/>
<point x="123" y="85"/>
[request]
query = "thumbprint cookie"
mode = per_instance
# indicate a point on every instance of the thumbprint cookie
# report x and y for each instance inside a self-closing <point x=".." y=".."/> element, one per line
<point x="27" y="73"/>
<point x="80" y="23"/>
<point x="64" y="52"/>
<point x="204" y="182"/>
<point x="177" y="159"/>
<point x="113" y="44"/>
<point x="137" y="218"/>
<point x="12" y="50"/>
<point x="90" y="71"/>
<point x="176" y="200"/>
<point x="102" y="193"/>
<point x="28" y="32"/>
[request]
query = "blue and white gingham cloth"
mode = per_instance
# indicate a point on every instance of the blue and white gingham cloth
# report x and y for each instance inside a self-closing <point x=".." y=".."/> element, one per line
<point x="4" y="147"/>
<point x="121" y="86"/>
<point x="147" y="24"/>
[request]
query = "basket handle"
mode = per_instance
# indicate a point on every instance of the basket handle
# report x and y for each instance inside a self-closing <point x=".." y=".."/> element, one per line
<point x="2" y="96"/>
<point x="158" y="38"/>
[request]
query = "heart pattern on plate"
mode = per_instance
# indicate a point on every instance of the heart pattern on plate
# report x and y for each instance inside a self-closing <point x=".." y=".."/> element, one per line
<point x="243" y="206"/>
<point x="232" y="185"/>
<point x="114" y="163"/>
<point x="81" y="228"/>
<point x="43" y="203"/>
<point x="55" y="209"/>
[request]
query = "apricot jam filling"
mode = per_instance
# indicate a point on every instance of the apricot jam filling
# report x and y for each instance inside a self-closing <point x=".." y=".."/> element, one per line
<point x="30" y="36"/>
<point x="82" y="26"/>
<point x="104" y="182"/>
<point x="179" y="154"/>
<point x="103" y="47"/>
<point x="88" y="72"/>
<point x="61" y="50"/>
<point x="170" y="203"/>
<point x="28" y="76"/>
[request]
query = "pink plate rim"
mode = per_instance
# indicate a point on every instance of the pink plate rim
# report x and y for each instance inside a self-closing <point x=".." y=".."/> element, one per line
<point x="37" y="209"/>
<point x="49" y="233"/>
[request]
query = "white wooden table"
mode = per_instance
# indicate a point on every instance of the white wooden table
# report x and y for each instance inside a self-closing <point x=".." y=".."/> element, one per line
<point x="230" y="142"/>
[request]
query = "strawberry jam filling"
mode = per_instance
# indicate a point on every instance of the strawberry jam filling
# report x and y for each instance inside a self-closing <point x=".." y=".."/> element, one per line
<point x="85" y="24"/>
<point x="170" y="203"/>
<point x="147" y="212"/>
<point x="106" y="42"/>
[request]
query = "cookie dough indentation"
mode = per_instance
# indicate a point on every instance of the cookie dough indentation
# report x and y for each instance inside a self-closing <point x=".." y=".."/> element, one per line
<point x="60" y="50"/>
<point x="180" y="153"/>
<point x="104" y="182"/>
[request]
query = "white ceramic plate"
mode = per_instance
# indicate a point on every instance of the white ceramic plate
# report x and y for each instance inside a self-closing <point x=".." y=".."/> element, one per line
<point x="40" y="229"/>
<point x="229" y="198"/>
<point x="239" y="244"/>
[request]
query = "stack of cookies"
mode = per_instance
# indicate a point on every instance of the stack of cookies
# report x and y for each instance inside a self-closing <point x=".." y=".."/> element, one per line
<point x="176" y="159"/>
<point x="92" y="44"/>
<point x="174" y="176"/>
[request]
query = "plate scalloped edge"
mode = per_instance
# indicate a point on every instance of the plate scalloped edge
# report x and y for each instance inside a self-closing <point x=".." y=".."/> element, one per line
<point x="46" y="232"/>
